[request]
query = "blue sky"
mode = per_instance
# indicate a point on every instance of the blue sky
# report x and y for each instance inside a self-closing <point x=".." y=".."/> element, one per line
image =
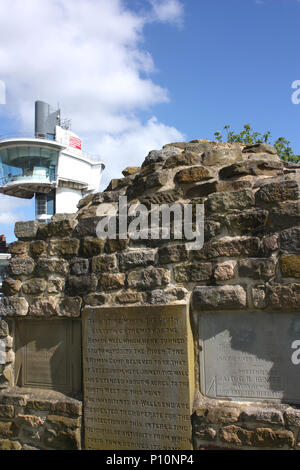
<point x="136" y="74"/>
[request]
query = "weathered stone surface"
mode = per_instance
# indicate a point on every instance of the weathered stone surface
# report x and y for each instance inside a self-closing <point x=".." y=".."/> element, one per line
<point x="19" y="266"/>
<point x="284" y="214"/>
<point x="7" y="429"/>
<point x="182" y="159"/>
<point x="62" y="433"/>
<point x="235" y="185"/>
<point x="95" y="299"/>
<point x="112" y="246"/>
<point x="149" y="278"/>
<point x="56" y="285"/>
<point x="172" y="254"/>
<point x="38" y="248"/>
<point x="290" y="266"/>
<point x="236" y="246"/>
<point x="85" y="201"/>
<point x="252" y="167"/>
<point x="290" y="239"/>
<point x="80" y="285"/>
<point x="270" y="244"/>
<point x="26" y="230"/>
<point x="192" y="174"/>
<point x="86" y="226"/>
<point x="129" y="297"/>
<point x="266" y="437"/>
<point x="249" y="221"/>
<point x="167" y="296"/>
<point x="219" y="156"/>
<point x="7" y="411"/>
<point x="131" y="170"/>
<point x="91" y="246"/>
<point x="219" y="297"/>
<point x="11" y="286"/>
<point x="278" y="192"/>
<point x="10" y="306"/>
<point x="284" y="296"/>
<point x="63" y="227"/>
<point x="223" y="415"/>
<point x="258" y="294"/>
<point x="133" y="259"/>
<point x="34" y="286"/>
<point x="254" y="414"/>
<point x="65" y="248"/>
<point x="224" y="271"/>
<point x="3" y="329"/>
<point x="260" y="148"/>
<point x="212" y="228"/>
<point x="30" y="420"/>
<point x="201" y="190"/>
<point x="70" y="307"/>
<point x="160" y="155"/>
<point x="193" y="272"/>
<point x="222" y="202"/>
<point x="6" y="444"/>
<point x="236" y="435"/>
<point x="18" y="248"/>
<point x="205" y="433"/>
<point x="157" y="179"/>
<point x="112" y="281"/>
<point x="79" y="266"/>
<point x="292" y="417"/>
<point x="257" y="268"/>
<point x="104" y="263"/>
<point x="163" y="197"/>
<point x="52" y="266"/>
<point x="46" y="307"/>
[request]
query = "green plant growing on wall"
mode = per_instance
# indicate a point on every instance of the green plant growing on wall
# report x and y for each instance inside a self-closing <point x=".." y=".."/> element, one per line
<point x="248" y="137"/>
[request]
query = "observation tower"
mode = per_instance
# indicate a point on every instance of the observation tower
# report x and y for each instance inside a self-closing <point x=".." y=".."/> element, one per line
<point x="50" y="166"/>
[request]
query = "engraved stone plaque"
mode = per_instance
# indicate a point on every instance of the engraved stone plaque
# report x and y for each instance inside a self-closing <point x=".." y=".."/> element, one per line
<point x="250" y="356"/>
<point x="48" y="354"/>
<point x="138" y="378"/>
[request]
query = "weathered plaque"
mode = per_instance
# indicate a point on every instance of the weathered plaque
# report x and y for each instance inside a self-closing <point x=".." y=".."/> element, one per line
<point x="48" y="354"/>
<point x="250" y="356"/>
<point x="138" y="378"/>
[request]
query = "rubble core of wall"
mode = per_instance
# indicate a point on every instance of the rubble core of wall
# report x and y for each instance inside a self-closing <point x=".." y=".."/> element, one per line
<point x="250" y="261"/>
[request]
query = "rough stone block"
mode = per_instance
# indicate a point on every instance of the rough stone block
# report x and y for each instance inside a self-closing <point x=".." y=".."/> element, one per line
<point x="227" y="201"/>
<point x="193" y="272"/>
<point x="26" y="230"/>
<point x="219" y="297"/>
<point x="132" y="259"/>
<point x="149" y="278"/>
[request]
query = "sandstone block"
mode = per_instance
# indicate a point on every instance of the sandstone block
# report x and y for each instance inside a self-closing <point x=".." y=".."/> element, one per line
<point x="219" y="297"/>
<point x="149" y="278"/>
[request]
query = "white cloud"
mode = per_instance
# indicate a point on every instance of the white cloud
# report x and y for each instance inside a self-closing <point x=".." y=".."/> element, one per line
<point x="168" y="11"/>
<point x="11" y="210"/>
<point x="89" y="56"/>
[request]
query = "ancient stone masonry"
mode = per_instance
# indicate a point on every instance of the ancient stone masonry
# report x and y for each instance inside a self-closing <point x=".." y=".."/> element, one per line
<point x="242" y="289"/>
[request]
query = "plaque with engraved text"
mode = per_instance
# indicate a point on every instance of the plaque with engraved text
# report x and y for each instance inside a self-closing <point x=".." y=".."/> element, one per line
<point x="249" y="356"/>
<point x="138" y="378"/>
<point x="48" y="354"/>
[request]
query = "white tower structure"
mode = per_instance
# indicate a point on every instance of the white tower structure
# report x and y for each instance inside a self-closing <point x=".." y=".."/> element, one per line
<point x="50" y="166"/>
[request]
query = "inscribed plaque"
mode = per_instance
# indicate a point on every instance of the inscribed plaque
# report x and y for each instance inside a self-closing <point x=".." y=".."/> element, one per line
<point x="138" y="377"/>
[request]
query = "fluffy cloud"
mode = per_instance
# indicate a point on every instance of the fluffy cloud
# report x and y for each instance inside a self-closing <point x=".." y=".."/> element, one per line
<point x="89" y="56"/>
<point x="168" y="11"/>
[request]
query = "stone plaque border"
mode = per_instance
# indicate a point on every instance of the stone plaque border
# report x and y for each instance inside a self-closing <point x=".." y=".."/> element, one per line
<point x="255" y="367"/>
<point x="137" y="311"/>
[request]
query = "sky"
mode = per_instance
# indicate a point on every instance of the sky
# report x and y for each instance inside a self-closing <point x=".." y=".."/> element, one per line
<point x="134" y="75"/>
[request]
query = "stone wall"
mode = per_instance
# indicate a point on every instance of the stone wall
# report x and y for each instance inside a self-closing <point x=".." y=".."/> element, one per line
<point x="250" y="261"/>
